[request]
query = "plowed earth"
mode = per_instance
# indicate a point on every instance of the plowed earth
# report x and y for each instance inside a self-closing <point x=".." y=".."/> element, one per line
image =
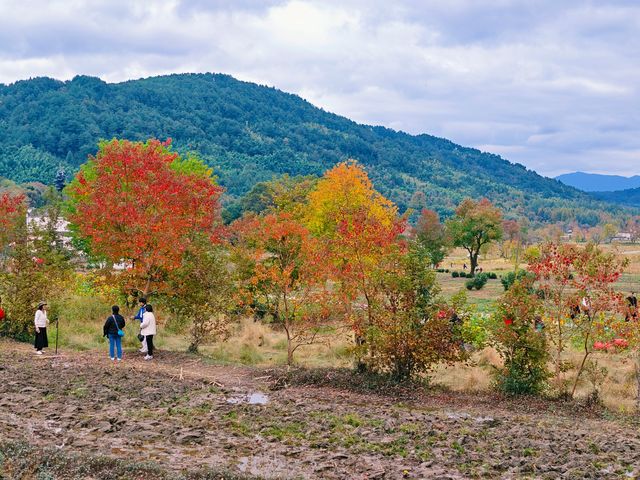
<point x="194" y="420"/>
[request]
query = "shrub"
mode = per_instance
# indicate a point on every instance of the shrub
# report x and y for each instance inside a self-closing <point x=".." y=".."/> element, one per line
<point x="510" y="278"/>
<point x="477" y="282"/>
<point x="492" y="275"/>
<point x="455" y="274"/>
<point x="521" y="346"/>
<point x="409" y="331"/>
<point x="469" y="275"/>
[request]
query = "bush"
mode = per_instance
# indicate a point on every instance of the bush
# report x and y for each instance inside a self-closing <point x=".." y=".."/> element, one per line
<point x="521" y="346"/>
<point x="469" y="275"/>
<point x="455" y="274"/>
<point x="409" y="332"/>
<point x="510" y="278"/>
<point x="492" y="275"/>
<point x="477" y="282"/>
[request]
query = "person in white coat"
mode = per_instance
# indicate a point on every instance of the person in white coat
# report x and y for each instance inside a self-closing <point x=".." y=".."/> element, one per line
<point x="148" y="329"/>
<point x="41" y="322"/>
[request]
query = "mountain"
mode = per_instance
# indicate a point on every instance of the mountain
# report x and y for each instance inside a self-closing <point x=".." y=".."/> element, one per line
<point x="594" y="182"/>
<point x="629" y="197"/>
<point x="250" y="133"/>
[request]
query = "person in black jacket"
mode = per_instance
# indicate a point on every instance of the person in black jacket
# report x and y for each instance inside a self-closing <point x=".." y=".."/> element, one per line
<point x="112" y="326"/>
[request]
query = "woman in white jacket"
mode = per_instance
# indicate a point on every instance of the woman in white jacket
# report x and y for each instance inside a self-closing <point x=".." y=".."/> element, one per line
<point x="41" y="322"/>
<point x="148" y="329"/>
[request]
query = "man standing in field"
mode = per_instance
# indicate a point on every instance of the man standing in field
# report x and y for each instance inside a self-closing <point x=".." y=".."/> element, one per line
<point x="139" y="315"/>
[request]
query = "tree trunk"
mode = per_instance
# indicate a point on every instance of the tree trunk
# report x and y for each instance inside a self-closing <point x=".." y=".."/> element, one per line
<point x="584" y="360"/>
<point x="473" y="258"/>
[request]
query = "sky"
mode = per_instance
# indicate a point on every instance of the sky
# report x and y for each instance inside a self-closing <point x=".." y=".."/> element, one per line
<point x="551" y="84"/>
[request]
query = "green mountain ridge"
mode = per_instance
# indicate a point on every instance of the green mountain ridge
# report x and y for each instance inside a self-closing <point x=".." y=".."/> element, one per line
<point x="629" y="197"/>
<point x="250" y="133"/>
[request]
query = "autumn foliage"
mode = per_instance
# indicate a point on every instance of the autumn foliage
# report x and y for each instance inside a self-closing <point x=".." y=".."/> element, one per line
<point x="139" y="203"/>
<point x="285" y="273"/>
<point x="12" y="207"/>
<point x="580" y="302"/>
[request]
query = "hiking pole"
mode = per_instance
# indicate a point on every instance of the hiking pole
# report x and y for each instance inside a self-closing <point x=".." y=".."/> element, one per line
<point x="57" y="329"/>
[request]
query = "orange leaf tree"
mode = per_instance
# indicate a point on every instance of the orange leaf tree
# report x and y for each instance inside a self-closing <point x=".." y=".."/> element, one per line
<point x="283" y="266"/>
<point x="358" y="227"/>
<point x="140" y="203"/>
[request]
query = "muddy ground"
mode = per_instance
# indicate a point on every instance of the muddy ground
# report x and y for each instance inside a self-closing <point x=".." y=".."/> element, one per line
<point x="79" y="415"/>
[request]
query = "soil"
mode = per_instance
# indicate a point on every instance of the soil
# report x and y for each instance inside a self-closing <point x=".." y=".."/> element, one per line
<point x="185" y="415"/>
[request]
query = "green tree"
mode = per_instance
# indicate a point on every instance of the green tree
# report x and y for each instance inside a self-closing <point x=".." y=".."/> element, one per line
<point x="475" y="225"/>
<point x="521" y="345"/>
<point x="202" y="290"/>
<point x="431" y="238"/>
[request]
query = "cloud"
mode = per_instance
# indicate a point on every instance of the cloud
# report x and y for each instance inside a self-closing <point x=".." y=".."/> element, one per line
<point x="552" y="85"/>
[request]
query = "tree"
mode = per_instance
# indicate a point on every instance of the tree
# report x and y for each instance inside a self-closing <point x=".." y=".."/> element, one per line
<point x="595" y="273"/>
<point x="579" y="301"/>
<point x="430" y="237"/>
<point x="286" y="267"/>
<point x="35" y="266"/>
<point x="61" y="179"/>
<point x="202" y="290"/>
<point x="358" y="228"/>
<point x="411" y="329"/>
<point x="521" y="345"/>
<point x="141" y="204"/>
<point x="632" y="226"/>
<point x="474" y="225"/>
<point x="12" y="208"/>
<point x="609" y="231"/>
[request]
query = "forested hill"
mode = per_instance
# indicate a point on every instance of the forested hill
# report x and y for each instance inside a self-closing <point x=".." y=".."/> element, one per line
<point x="250" y="133"/>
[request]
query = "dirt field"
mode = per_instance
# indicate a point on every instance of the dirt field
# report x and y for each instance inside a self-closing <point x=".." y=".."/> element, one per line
<point x="186" y="416"/>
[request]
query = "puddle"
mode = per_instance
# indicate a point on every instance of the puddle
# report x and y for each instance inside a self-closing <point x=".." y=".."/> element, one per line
<point x="255" y="398"/>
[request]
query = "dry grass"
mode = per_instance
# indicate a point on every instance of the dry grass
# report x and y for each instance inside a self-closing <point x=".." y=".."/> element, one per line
<point x="256" y="343"/>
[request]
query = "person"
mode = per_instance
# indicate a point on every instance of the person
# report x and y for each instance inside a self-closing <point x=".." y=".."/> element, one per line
<point x="148" y="330"/>
<point x="139" y="315"/>
<point x="464" y="266"/>
<point x="539" y="324"/>
<point x="632" y="307"/>
<point x="110" y="330"/>
<point x="2" y="314"/>
<point x="41" y="322"/>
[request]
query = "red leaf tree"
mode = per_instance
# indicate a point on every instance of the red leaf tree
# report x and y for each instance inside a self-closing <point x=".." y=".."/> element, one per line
<point x="11" y="208"/>
<point x="580" y="301"/>
<point x="141" y="203"/>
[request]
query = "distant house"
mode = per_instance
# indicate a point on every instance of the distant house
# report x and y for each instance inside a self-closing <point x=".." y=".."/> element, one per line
<point x="61" y="228"/>
<point x="622" y="237"/>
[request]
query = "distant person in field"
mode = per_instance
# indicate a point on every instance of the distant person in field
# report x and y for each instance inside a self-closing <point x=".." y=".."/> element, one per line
<point x="148" y="330"/>
<point x="632" y="307"/>
<point x="2" y="314"/>
<point x="139" y="315"/>
<point x="464" y="266"/>
<point x="114" y="323"/>
<point x="41" y="321"/>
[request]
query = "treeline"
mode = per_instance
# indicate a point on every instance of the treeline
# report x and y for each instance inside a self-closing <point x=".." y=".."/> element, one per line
<point x="252" y="133"/>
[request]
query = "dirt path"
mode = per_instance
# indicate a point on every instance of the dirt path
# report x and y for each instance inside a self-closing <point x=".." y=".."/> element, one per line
<point x="185" y="414"/>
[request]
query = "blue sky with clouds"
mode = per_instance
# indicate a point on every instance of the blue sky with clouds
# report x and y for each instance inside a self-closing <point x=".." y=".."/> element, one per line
<point x="550" y="84"/>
